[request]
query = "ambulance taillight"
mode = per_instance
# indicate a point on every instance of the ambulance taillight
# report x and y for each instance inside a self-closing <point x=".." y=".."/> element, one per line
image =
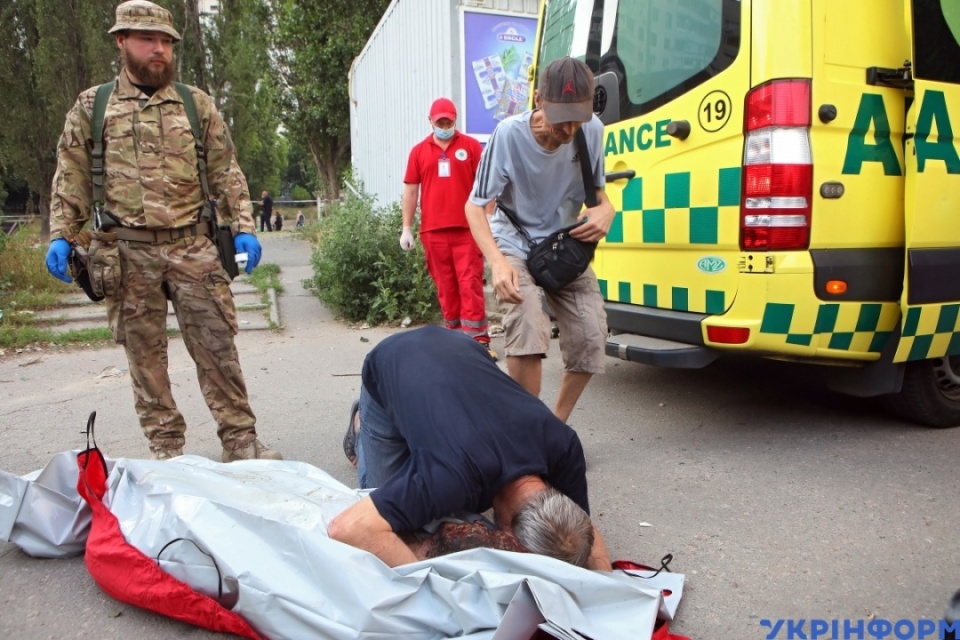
<point x="777" y="167"/>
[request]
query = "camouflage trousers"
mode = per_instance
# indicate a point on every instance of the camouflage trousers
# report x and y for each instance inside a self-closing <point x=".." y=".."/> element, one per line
<point x="189" y="271"/>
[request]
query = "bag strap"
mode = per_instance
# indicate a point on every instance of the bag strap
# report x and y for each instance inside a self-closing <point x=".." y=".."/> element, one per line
<point x="589" y="188"/>
<point x="512" y="217"/>
<point x="99" y="115"/>
<point x="96" y="154"/>
<point x="191" y="108"/>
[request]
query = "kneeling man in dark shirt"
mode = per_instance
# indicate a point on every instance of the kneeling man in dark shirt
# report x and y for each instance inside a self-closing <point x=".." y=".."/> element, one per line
<point x="443" y="430"/>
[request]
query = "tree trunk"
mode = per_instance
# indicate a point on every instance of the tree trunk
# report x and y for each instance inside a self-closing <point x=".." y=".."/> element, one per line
<point x="44" y="217"/>
<point x="194" y="35"/>
<point x="328" y="162"/>
<point x="331" y="178"/>
<point x="315" y="155"/>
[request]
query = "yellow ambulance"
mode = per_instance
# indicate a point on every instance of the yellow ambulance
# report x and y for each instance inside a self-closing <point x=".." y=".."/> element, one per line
<point x="787" y="184"/>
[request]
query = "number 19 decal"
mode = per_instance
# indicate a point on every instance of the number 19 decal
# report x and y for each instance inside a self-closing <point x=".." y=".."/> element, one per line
<point x="715" y="111"/>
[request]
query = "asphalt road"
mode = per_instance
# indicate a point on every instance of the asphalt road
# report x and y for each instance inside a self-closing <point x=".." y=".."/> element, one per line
<point x="777" y="498"/>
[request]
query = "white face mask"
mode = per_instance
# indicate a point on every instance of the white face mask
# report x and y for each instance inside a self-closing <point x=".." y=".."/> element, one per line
<point x="444" y="134"/>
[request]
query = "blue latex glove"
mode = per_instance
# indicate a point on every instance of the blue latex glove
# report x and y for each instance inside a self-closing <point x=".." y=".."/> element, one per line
<point x="57" y="256"/>
<point x="248" y="243"/>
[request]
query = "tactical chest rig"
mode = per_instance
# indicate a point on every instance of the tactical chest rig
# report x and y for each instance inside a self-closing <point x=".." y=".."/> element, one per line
<point x="96" y="265"/>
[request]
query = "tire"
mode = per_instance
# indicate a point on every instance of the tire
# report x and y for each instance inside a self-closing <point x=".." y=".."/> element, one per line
<point x="930" y="394"/>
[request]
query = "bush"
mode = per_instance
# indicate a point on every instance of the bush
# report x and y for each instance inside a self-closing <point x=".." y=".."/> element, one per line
<point x="360" y="271"/>
<point x="299" y="193"/>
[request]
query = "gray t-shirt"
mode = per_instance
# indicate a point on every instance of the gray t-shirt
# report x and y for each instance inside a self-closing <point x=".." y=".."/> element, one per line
<point x="544" y="188"/>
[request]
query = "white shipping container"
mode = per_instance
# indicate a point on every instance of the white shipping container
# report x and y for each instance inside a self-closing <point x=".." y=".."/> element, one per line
<point x="414" y="56"/>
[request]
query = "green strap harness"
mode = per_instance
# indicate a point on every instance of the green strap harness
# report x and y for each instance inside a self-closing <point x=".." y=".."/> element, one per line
<point x="99" y="111"/>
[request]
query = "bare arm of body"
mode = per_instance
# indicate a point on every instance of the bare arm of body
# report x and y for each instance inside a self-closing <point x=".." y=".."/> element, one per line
<point x="363" y="527"/>
<point x="506" y="281"/>
<point x="408" y="203"/>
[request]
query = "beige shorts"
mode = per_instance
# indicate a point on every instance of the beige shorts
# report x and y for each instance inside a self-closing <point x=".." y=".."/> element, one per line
<point x="580" y="316"/>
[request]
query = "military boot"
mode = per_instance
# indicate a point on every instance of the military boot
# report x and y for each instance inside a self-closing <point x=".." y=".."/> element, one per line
<point x="166" y="448"/>
<point x="247" y="448"/>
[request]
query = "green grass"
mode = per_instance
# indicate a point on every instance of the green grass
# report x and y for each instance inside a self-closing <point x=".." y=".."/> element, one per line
<point x="22" y="335"/>
<point x="266" y="276"/>
<point x="24" y="280"/>
<point x="25" y="285"/>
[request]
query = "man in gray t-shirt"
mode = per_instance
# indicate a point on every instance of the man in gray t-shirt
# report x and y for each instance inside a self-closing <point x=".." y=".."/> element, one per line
<point x="531" y="166"/>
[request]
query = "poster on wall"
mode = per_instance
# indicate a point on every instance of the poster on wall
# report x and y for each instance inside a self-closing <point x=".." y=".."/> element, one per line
<point x="497" y="54"/>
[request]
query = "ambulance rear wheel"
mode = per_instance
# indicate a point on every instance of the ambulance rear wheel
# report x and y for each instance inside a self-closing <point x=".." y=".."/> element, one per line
<point x="930" y="394"/>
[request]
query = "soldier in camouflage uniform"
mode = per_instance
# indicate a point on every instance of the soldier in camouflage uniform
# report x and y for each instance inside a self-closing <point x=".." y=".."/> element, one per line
<point x="152" y="187"/>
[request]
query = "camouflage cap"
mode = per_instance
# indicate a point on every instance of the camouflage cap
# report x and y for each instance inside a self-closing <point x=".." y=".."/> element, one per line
<point x="141" y="15"/>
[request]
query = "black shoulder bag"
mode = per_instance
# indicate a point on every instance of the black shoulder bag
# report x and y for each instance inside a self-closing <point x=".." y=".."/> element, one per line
<point x="559" y="259"/>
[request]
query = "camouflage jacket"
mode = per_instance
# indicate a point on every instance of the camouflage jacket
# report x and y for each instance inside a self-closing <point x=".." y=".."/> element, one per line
<point x="150" y="163"/>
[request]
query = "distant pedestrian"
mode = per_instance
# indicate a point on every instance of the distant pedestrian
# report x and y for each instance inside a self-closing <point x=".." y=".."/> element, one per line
<point x="266" y="211"/>
<point x="440" y="173"/>
<point x="300" y="219"/>
<point x="278" y="222"/>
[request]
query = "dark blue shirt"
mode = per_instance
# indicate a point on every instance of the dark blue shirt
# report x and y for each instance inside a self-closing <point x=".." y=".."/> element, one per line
<point x="470" y="429"/>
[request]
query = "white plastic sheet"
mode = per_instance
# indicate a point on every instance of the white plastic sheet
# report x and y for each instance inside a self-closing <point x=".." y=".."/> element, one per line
<point x="55" y="521"/>
<point x="264" y="523"/>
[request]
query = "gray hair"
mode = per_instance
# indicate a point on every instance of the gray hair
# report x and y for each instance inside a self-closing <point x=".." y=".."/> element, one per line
<point x="552" y="524"/>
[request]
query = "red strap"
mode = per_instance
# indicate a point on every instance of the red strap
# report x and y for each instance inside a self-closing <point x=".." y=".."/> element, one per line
<point x="661" y="631"/>
<point x="128" y="575"/>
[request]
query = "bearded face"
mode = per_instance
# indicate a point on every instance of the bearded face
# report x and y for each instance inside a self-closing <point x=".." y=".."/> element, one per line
<point x="150" y="66"/>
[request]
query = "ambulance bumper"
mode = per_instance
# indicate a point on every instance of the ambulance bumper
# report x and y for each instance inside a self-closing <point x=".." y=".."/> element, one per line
<point x="659" y="353"/>
<point x="657" y="337"/>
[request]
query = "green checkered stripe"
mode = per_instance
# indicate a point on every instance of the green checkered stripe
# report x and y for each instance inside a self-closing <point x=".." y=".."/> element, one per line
<point x="919" y="343"/>
<point x="675" y="298"/>
<point x="778" y="319"/>
<point x="703" y="220"/>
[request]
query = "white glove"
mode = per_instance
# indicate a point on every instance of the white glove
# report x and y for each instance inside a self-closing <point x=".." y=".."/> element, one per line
<point x="406" y="239"/>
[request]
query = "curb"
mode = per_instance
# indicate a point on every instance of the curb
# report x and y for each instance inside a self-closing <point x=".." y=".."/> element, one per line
<point x="78" y="312"/>
<point x="274" y="308"/>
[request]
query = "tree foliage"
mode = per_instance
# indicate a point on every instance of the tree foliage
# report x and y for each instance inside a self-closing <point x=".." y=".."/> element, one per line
<point x="47" y="56"/>
<point x="317" y="42"/>
<point x="301" y="170"/>
<point x="243" y="80"/>
<point x="269" y="64"/>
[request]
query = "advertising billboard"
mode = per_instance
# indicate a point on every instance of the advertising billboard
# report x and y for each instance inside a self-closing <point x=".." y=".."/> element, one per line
<point x="497" y="54"/>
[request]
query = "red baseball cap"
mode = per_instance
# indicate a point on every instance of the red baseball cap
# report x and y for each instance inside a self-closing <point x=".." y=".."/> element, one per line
<point x="442" y="108"/>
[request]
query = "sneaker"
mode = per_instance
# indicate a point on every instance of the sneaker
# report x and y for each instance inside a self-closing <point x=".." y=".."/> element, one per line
<point x="166" y="448"/>
<point x="350" y="437"/>
<point x="252" y="450"/>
